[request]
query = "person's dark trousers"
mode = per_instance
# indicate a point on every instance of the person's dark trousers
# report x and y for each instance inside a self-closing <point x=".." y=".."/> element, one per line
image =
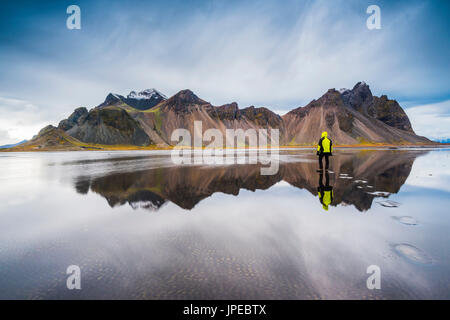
<point x="327" y="180"/>
<point x="322" y="187"/>
<point x="327" y="161"/>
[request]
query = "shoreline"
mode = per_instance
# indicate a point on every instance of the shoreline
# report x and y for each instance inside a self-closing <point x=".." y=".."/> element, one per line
<point x="156" y="148"/>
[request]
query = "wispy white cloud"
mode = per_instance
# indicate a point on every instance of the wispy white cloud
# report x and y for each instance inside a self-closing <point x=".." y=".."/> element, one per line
<point x="431" y="120"/>
<point x="20" y="120"/>
<point x="432" y="172"/>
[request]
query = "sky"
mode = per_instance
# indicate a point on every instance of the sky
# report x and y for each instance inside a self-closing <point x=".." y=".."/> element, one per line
<point x="277" y="54"/>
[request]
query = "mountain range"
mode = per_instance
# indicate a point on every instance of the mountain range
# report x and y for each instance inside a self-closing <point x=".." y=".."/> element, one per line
<point x="147" y="118"/>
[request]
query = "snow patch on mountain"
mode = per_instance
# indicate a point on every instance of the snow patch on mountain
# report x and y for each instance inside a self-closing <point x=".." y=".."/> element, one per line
<point x="146" y="94"/>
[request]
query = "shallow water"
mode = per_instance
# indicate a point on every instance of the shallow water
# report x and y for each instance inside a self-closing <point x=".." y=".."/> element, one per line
<point x="140" y="227"/>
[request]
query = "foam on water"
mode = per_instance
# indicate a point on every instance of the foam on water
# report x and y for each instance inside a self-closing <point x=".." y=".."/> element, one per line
<point x="412" y="253"/>
<point x="411" y="221"/>
<point x="389" y="204"/>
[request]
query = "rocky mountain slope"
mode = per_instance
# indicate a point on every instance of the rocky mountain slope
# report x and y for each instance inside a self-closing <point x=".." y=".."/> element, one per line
<point x="181" y="110"/>
<point x="148" y="118"/>
<point x="105" y="125"/>
<point x="350" y="117"/>
<point x="51" y="138"/>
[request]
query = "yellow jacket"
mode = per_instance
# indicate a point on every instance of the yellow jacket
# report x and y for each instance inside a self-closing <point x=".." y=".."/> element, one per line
<point x="326" y="197"/>
<point x="325" y="145"/>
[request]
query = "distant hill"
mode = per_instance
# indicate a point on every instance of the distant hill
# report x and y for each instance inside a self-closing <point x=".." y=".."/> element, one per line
<point x="50" y="138"/>
<point x="445" y="140"/>
<point x="6" y="146"/>
<point x="351" y="116"/>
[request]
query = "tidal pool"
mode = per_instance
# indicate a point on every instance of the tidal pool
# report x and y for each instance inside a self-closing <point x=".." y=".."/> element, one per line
<point x="141" y="227"/>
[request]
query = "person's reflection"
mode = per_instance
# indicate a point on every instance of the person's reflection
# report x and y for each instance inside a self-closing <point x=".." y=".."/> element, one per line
<point x="325" y="191"/>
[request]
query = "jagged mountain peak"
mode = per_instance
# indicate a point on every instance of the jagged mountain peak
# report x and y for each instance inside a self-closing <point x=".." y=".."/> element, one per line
<point x="362" y="89"/>
<point x="359" y="98"/>
<point x="229" y="107"/>
<point x="146" y="94"/>
<point x="142" y="100"/>
<point x="331" y="98"/>
<point x="187" y="96"/>
<point x="184" y="98"/>
<point x="232" y="105"/>
<point x="112" y="98"/>
<point x="362" y="84"/>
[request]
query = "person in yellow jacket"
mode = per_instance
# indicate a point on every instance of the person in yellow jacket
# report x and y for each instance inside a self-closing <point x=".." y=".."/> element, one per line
<point x="324" y="150"/>
<point x="325" y="192"/>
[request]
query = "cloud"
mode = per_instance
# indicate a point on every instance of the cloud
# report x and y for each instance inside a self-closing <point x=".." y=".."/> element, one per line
<point x="4" y="137"/>
<point x="431" y="120"/>
<point x="246" y="54"/>
<point x="431" y="172"/>
<point x="20" y="120"/>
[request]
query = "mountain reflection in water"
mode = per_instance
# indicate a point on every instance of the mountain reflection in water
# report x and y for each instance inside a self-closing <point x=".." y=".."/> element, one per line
<point x="355" y="179"/>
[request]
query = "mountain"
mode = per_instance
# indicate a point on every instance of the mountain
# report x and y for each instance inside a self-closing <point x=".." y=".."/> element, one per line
<point x="6" y="146"/>
<point x="51" y="138"/>
<point x="350" y="117"/>
<point x="107" y="125"/>
<point x="360" y="98"/>
<point x="181" y="110"/>
<point x="148" y="117"/>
